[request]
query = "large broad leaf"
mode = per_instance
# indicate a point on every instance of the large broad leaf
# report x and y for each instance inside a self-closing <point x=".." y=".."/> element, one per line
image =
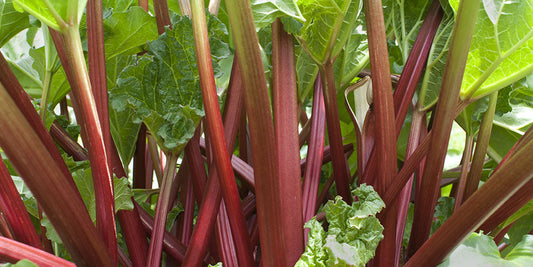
<point x="353" y="235"/>
<point x="328" y="25"/>
<point x="54" y="13"/>
<point x="265" y="11"/>
<point x="480" y="250"/>
<point x="11" y="21"/>
<point x="163" y="85"/>
<point x="406" y="19"/>
<point x="502" y="47"/>
<point x="126" y="31"/>
<point x="432" y="79"/>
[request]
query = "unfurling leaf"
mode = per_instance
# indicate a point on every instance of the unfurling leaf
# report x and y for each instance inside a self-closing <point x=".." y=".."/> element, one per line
<point x="353" y="235"/>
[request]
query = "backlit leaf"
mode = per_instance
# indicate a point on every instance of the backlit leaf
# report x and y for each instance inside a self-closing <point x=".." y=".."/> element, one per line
<point x="11" y="21"/>
<point x="328" y="25"/>
<point x="266" y="11"/>
<point x="125" y="31"/>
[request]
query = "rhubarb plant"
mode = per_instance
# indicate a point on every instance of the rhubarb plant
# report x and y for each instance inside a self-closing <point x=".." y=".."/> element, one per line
<point x="190" y="133"/>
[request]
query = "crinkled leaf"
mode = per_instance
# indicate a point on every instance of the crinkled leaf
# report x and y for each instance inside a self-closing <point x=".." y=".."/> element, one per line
<point x="163" y="85"/>
<point x="501" y="52"/>
<point x="126" y="31"/>
<point x="353" y="234"/>
<point x="11" y="21"/>
<point x="407" y="18"/>
<point x="480" y="250"/>
<point x="265" y="12"/>
<point x="314" y="254"/>
<point x="432" y="79"/>
<point x="328" y="25"/>
<point x="54" y="13"/>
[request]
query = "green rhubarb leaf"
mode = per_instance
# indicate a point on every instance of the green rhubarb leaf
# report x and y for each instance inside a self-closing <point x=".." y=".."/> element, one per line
<point x="306" y="72"/>
<point x="126" y="31"/>
<point x="124" y="129"/>
<point x="265" y="12"/>
<point x="353" y="234"/>
<point x="328" y="25"/>
<point x="118" y="5"/>
<point x="84" y="182"/>
<point x="163" y="85"/>
<point x="480" y="250"/>
<point x="502" y="47"/>
<point x="314" y="254"/>
<point x="353" y="57"/>
<point x="55" y="14"/>
<point x="432" y="79"/>
<point x="11" y="21"/>
<point x="407" y="18"/>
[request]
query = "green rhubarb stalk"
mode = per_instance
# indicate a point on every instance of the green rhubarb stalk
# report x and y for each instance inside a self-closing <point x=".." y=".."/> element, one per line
<point x="444" y="116"/>
<point x="163" y="203"/>
<point x="482" y="143"/>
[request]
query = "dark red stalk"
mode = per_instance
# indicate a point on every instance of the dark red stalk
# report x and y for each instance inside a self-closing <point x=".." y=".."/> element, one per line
<point x="14" y="211"/>
<point x="87" y="117"/>
<point x="18" y="139"/>
<point x="67" y="143"/>
<point x="482" y="143"/>
<point x="139" y="160"/>
<point x="143" y="4"/>
<point x="161" y="15"/>
<point x="204" y="224"/>
<point x="162" y="207"/>
<point x="5" y="228"/>
<point x="22" y="100"/>
<point x="286" y="128"/>
<point x="129" y="220"/>
<point x="13" y="251"/>
<point x="340" y="167"/>
<point x="415" y="64"/>
<point x="215" y="130"/>
<point x="171" y="245"/>
<point x="504" y="182"/>
<point x="98" y="80"/>
<point x="186" y="218"/>
<point x="232" y="114"/>
<point x="327" y="154"/>
<point x="407" y="83"/>
<point x="418" y="128"/>
<point x="385" y="136"/>
<point x="262" y="138"/>
<point x="314" y="155"/>
<point x="465" y="166"/>
<point x="444" y="116"/>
